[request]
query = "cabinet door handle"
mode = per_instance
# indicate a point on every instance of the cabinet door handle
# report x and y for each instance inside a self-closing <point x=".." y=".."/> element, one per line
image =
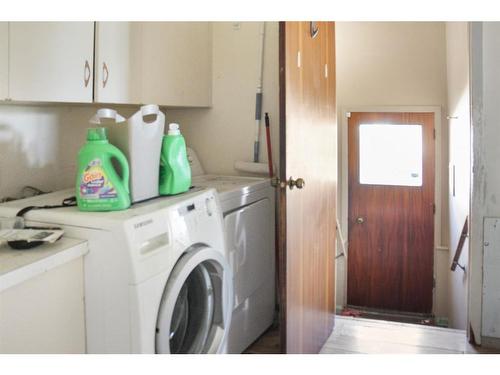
<point x="86" y="73"/>
<point x="105" y="74"/>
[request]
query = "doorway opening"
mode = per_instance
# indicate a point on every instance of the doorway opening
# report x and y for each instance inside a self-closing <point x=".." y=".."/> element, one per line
<point x="406" y="239"/>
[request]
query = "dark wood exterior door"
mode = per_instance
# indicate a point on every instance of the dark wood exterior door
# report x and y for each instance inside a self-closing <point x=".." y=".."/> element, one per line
<point x="391" y="211"/>
<point x="307" y="215"/>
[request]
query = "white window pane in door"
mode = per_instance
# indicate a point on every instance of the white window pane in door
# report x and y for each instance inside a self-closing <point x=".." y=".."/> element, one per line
<point x="390" y="154"/>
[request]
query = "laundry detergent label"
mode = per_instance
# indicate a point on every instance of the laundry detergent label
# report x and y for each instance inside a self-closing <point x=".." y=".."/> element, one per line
<point x="94" y="183"/>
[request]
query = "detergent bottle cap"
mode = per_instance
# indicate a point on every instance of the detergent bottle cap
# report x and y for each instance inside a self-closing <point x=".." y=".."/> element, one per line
<point x="96" y="134"/>
<point x="173" y="129"/>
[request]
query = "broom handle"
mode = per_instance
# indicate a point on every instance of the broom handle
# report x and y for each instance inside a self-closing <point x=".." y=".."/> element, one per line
<point x="269" y="149"/>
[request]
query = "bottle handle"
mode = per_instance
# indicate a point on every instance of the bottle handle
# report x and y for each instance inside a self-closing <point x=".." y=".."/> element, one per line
<point x="152" y="110"/>
<point x="106" y="113"/>
<point x="115" y="152"/>
<point x="149" y="109"/>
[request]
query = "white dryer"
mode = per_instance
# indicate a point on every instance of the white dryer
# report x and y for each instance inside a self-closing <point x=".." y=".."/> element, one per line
<point x="156" y="277"/>
<point x="248" y="206"/>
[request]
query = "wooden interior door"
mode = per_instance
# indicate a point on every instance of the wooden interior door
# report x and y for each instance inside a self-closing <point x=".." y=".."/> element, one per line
<point x="391" y="211"/>
<point x="308" y="146"/>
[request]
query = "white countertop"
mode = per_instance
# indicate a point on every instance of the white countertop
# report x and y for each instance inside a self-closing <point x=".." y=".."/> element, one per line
<point x="17" y="266"/>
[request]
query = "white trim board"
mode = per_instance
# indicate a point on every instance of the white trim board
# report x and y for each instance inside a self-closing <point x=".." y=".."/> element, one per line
<point x="479" y="205"/>
<point x="343" y="169"/>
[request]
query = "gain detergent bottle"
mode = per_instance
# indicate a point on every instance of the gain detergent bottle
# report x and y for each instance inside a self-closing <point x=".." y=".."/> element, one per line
<point x="98" y="185"/>
<point x="175" y="172"/>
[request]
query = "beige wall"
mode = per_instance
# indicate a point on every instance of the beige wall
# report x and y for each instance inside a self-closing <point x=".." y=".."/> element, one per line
<point x="224" y="133"/>
<point x="457" y="43"/>
<point x="393" y="64"/>
<point x="39" y="145"/>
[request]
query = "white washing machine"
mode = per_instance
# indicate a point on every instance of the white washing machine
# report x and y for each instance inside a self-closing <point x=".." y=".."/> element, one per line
<point x="248" y="206"/>
<point x="156" y="277"/>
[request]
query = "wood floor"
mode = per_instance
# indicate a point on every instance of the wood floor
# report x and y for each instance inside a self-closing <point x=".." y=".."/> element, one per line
<point x="268" y="343"/>
<point x="366" y="336"/>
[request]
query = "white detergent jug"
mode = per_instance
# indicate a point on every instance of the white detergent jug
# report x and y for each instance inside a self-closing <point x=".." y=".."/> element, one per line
<point x="140" y="139"/>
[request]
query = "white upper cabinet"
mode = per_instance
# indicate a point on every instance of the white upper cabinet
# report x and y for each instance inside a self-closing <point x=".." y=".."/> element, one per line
<point x="166" y="63"/>
<point x="4" y="60"/>
<point x="117" y="71"/>
<point x="51" y="61"/>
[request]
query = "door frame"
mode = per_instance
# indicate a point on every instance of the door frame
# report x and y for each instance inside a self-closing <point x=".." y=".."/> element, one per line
<point x="343" y="203"/>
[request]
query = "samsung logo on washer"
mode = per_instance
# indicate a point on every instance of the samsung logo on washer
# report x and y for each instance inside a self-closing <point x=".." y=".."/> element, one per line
<point x="143" y="223"/>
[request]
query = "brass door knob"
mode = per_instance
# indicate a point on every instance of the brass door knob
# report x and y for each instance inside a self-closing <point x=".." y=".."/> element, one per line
<point x="299" y="183"/>
<point x="360" y="220"/>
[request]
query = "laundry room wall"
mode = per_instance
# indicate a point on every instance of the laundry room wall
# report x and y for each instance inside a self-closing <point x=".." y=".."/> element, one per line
<point x="457" y="43"/>
<point x="39" y="145"/>
<point x="394" y="64"/>
<point x="224" y="133"/>
<point x="485" y="91"/>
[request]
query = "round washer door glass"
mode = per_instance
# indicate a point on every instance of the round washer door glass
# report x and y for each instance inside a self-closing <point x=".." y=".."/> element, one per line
<point x="191" y="316"/>
<point x="193" y="313"/>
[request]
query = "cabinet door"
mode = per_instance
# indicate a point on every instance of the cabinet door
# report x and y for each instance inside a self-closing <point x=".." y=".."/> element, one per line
<point x="166" y="63"/>
<point x="51" y="61"/>
<point x="117" y="56"/>
<point x="45" y="314"/>
<point x="4" y="60"/>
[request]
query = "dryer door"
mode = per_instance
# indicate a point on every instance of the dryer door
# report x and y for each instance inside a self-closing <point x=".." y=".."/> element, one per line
<point x="196" y="307"/>
<point x="250" y="245"/>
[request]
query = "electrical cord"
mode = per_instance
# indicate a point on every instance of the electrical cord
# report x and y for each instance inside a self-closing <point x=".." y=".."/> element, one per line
<point x="26" y="192"/>
<point x="34" y="191"/>
<point x="25" y="245"/>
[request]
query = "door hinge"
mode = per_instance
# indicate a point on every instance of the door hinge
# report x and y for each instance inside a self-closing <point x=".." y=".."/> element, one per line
<point x="434" y="133"/>
<point x="433" y="283"/>
<point x="277" y="183"/>
<point x="434" y="208"/>
<point x="348" y="114"/>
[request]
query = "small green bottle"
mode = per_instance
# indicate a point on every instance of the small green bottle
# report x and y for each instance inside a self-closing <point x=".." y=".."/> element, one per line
<point x="175" y="172"/>
<point x="98" y="185"/>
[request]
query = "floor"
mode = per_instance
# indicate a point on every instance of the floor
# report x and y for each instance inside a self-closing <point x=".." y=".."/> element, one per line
<point x="268" y="343"/>
<point x="358" y="312"/>
<point x="366" y="336"/>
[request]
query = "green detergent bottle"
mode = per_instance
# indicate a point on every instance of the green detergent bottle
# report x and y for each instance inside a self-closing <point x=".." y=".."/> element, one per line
<point x="175" y="172"/>
<point x="98" y="185"/>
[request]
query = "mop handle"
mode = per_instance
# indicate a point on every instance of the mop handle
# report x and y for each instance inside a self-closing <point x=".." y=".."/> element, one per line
<point x="258" y="112"/>
<point x="258" y="95"/>
<point x="269" y="149"/>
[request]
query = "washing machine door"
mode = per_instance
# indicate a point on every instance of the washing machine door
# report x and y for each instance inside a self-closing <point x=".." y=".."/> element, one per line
<point x="196" y="307"/>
